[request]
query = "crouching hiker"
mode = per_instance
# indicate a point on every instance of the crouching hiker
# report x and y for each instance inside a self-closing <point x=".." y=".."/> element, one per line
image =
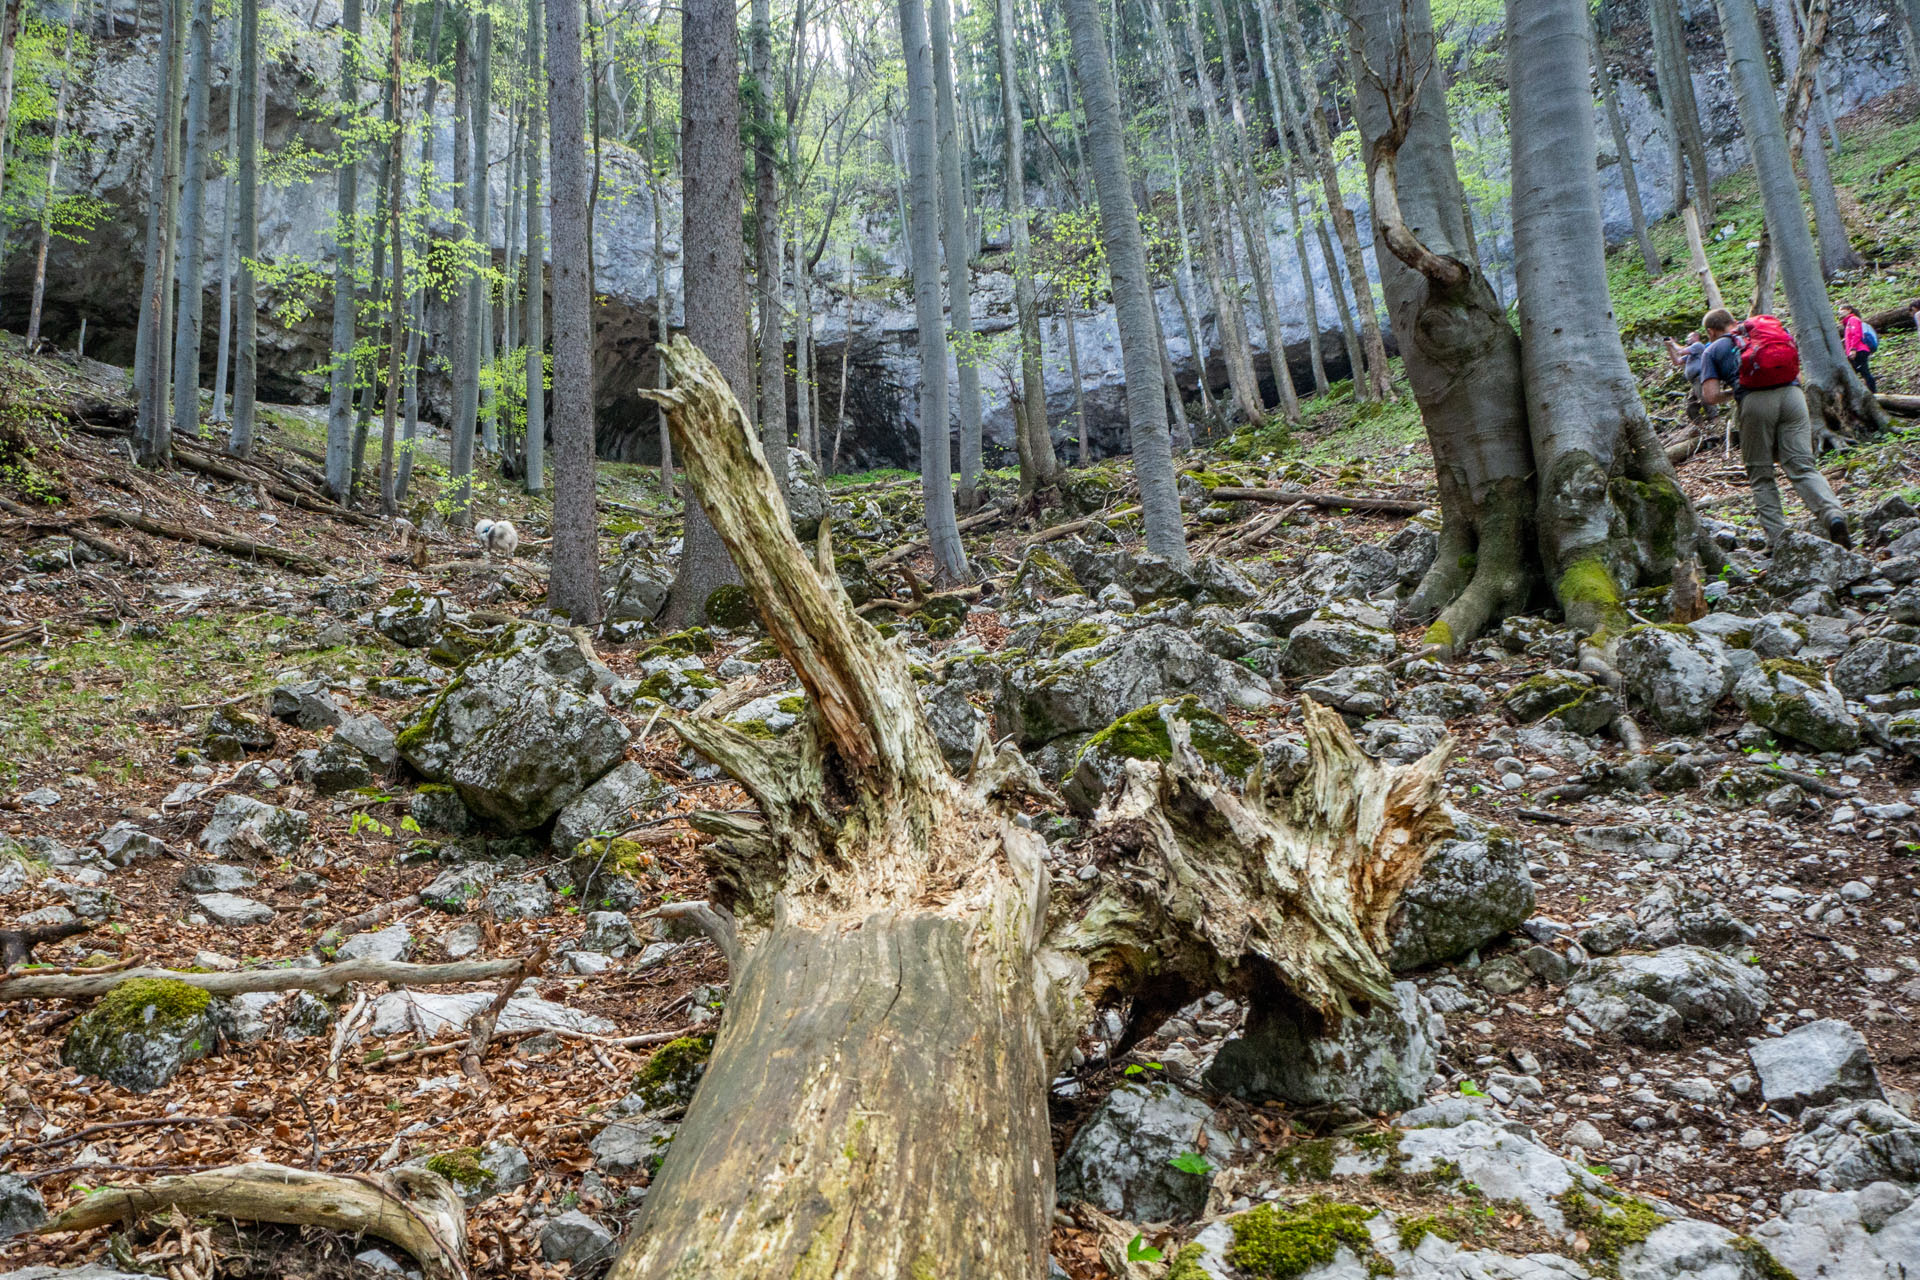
<point x="1757" y="366"/>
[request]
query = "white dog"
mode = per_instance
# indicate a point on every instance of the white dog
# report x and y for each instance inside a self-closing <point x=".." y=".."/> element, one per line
<point x="497" y="537"/>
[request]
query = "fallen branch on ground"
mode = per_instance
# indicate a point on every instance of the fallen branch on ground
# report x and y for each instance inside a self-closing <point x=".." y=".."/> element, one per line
<point x="329" y="942"/>
<point x="326" y="980"/>
<point x="413" y="1208"/>
<point x="16" y="945"/>
<point x="914" y="606"/>
<point x="233" y="545"/>
<point x="221" y="468"/>
<point x="1328" y="501"/>
<point x="1072" y="527"/>
<point x="481" y="1029"/>
<point x="647" y="1041"/>
<point x="1901" y="406"/>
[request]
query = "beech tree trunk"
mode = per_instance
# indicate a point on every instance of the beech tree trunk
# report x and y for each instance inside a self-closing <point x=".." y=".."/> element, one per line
<point x="152" y="435"/>
<point x="1674" y="70"/>
<point x="534" y="460"/>
<point x="574" y="588"/>
<point x="1461" y="354"/>
<point x="463" y="352"/>
<point x="247" y="232"/>
<point x="397" y="293"/>
<point x="714" y="273"/>
<point x="416" y="327"/>
<point x="1610" y="511"/>
<point x="1629" y="180"/>
<point x="1310" y="302"/>
<point x="223" y="351"/>
<point x="1376" y="381"/>
<point x="770" y="349"/>
<point x="346" y="202"/>
<point x="875" y="1103"/>
<point x="53" y="186"/>
<point x="1835" y="393"/>
<point x="923" y="180"/>
<point x="1133" y="302"/>
<point x="958" y="242"/>
<point x="1043" y="465"/>
<point x="1836" y="250"/>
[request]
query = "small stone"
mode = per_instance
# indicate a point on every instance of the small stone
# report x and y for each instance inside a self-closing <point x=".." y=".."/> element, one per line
<point x="576" y="1238"/>
<point x="1821" y="1062"/>
<point x="1585" y="1135"/>
<point x="1754" y="1139"/>
<point x="232" y="911"/>
<point x="395" y="942"/>
<point x="21" y="1207"/>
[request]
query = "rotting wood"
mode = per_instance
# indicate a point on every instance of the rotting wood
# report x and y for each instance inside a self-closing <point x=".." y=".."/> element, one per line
<point x="1072" y="527"/>
<point x="1326" y="501"/>
<point x="326" y="979"/>
<point x="914" y="606"/>
<point x="414" y="1208"/>
<point x="209" y="464"/>
<point x="16" y="945"/>
<point x="1900" y="406"/>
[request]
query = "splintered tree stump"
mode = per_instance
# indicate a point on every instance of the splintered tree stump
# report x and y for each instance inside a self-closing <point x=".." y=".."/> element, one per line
<point x="875" y="1104"/>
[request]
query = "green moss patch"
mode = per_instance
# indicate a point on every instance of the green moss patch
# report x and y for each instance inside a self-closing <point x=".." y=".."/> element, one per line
<point x="1274" y="1243"/>
<point x="673" y="1070"/>
<point x="1611" y="1227"/>
<point x="732" y="607"/>
<point x="461" y="1167"/>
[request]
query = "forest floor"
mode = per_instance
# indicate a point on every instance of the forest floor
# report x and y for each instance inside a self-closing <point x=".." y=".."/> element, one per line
<point x="110" y="666"/>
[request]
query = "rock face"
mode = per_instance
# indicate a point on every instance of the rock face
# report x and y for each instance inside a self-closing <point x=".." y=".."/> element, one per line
<point x="1472" y="888"/>
<point x="609" y="804"/>
<point x="1676" y="674"/>
<point x="1377" y="1063"/>
<point x="1823" y="1061"/>
<point x="631" y="1146"/>
<point x="1798" y="701"/>
<point x="520" y="732"/>
<point x="1804" y="561"/>
<point x="21" y="1208"/>
<point x="1119" y="1161"/>
<point x="141" y="1033"/>
<point x="1855" y="1144"/>
<point x="242" y="827"/>
<point x="1658" y="999"/>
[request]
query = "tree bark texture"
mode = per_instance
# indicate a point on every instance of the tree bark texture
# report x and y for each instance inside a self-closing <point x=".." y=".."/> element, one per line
<point x="575" y="585"/>
<point x="1674" y="70"/>
<point x="247" y="233"/>
<point x="397" y="294"/>
<point x="152" y="425"/>
<point x="1836" y="250"/>
<point x="1461" y="354"/>
<point x="876" y="1100"/>
<point x="1132" y="293"/>
<point x="770" y="351"/>
<point x="1623" y="151"/>
<point x="1835" y="393"/>
<point x="954" y="235"/>
<point x="479" y="223"/>
<point x="346" y="201"/>
<point x="1042" y="464"/>
<point x="923" y="181"/>
<point x="714" y="274"/>
<point x="534" y="463"/>
<point x="53" y="185"/>
<point x="1610" y="510"/>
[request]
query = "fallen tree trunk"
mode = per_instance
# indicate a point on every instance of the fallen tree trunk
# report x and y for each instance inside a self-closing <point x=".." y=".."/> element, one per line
<point x="1901" y="406"/>
<point x="233" y="545"/>
<point x="1326" y="501"/>
<point x="414" y="1208"/>
<point x="875" y="1103"/>
<point x="326" y="980"/>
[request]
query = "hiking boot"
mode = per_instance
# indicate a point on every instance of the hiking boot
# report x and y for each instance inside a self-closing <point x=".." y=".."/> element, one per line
<point x="1837" y="531"/>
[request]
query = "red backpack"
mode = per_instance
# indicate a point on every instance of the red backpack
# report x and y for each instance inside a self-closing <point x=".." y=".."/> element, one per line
<point x="1768" y="355"/>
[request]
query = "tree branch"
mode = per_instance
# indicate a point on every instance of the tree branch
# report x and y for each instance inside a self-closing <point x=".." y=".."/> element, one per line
<point x="28" y="985"/>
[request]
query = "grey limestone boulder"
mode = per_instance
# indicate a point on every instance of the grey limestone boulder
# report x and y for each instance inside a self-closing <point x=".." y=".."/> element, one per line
<point x="1854" y="1144"/>
<point x="411" y="618"/>
<point x="140" y="1034"/>
<point x="1804" y="561"/>
<point x="576" y="1238"/>
<point x="1822" y="1061"/>
<point x="1473" y="887"/>
<point x="244" y="826"/>
<point x="623" y="794"/>
<point x="231" y="911"/>
<point x="1380" y="1062"/>
<point x="1676" y="674"/>
<point x="1120" y="1160"/>
<point x="1798" y="701"/>
<point x="1658" y="999"/>
<point x="21" y="1208"/>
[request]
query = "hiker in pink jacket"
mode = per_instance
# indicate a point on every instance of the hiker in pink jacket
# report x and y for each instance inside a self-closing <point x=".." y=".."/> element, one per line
<point x="1861" y="342"/>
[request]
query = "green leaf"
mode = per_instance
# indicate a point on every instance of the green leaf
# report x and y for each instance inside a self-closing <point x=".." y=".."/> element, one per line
<point x="1191" y="1162"/>
<point x="1138" y="1250"/>
<point x="1471" y="1089"/>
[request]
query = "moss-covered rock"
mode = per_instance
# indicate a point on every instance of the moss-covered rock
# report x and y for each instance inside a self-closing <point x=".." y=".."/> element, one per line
<point x="1144" y="734"/>
<point x="1797" y="700"/>
<point x="732" y="606"/>
<point x="140" y="1034"/>
<point x="667" y="1081"/>
<point x="1275" y="1243"/>
<point x="1571" y="699"/>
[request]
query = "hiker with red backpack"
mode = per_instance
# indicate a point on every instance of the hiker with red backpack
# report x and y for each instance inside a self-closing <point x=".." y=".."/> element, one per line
<point x="1757" y="365"/>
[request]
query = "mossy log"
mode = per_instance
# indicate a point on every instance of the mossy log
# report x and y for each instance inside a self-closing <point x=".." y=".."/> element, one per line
<point x="416" y="1209"/>
<point x="904" y="985"/>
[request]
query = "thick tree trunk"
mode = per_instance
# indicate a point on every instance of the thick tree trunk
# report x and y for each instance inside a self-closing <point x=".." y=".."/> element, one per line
<point x="152" y="436"/>
<point x="875" y="1104"/>
<point x="1461" y="354"/>
<point x="1629" y="180"/>
<point x="222" y="358"/>
<point x="1042" y="465"/>
<point x="1604" y="481"/>
<point x="574" y="588"/>
<point x="346" y="201"/>
<point x="923" y="178"/>
<point x="1376" y="383"/>
<point x="714" y="274"/>
<point x="770" y="345"/>
<point x="247" y="236"/>
<point x="1133" y="303"/>
<point x="958" y="242"/>
<point x="534" y="461"/>
<point x="1835" y="393"/>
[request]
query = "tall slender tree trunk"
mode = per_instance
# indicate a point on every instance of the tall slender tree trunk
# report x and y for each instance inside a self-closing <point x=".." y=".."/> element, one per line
<point x="1834" y="393"/>
<point x="771" y="347"/>
<point x="955" y="235"/>
<point x="1377" y="381"/>
<point x="153" y="426"/>
<point x="53" y="185"/>
<point x="1269" y="71"/>
<point x="1836" y="250"/>
<point x="534" y="464"/>
<point x="1083" y="451"/>
<point x="714" y="273"/>
<point x="1670" y="52"/>
<point x="1629" y="180"/>
<point x="347" y="198"/>
<point x="247" y="231"/>
<point x="1460" y="352"/>
<point x="416" y="324"/>
<point x="923" y="179"/>
<point x="1907" y="18"/>
<point x="480" y="285"/>
<point x="574" y="586"/>
<point x="9" y="45"/>
<point x="370" y="390"/>
<point x="464" y="352"/>
<point x="397" y="296"/>
<point x="1599" y="463"/>
<point x="661" y="304"/>
<point x="1132" y="294"/>
<point x="222" y="359"/>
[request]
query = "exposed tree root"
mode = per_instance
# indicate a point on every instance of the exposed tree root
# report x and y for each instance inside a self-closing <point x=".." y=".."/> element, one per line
<point x="415" y="1209"/>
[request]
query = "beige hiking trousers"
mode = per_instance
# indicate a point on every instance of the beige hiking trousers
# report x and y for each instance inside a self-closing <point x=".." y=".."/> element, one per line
<point x="1774" y="427"/>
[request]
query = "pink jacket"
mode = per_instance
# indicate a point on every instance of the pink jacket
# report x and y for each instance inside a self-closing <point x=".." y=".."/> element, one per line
<point x="1855" y="337"/>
